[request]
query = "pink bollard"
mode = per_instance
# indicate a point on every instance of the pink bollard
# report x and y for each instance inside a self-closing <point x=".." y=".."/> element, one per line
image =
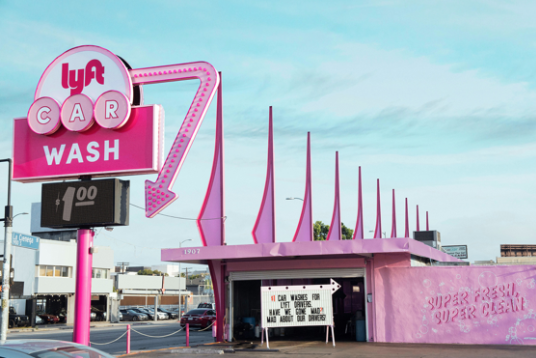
<point x="128" y="338"/>
<point x="187" y="335"/>
<point x="82" y="304"/>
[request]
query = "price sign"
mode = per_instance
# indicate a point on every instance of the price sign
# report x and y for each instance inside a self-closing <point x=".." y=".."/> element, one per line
<point x="85" y="203"/>
<point x="291" y="306"/>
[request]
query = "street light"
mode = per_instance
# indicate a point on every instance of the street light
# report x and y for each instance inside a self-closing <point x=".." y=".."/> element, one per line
<point x="292" y="198"/>
<point x="8" y="235"/>
<point x="19" y="214"/>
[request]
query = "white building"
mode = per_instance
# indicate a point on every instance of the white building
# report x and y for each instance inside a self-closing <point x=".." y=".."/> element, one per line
<point x="171" y="270"/>
<point x="48" y="277"/>
<point x="45" y="279"/>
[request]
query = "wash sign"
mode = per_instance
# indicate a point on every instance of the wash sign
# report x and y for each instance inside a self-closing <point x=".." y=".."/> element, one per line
<point x="296" y="306"/>
<point x="27" y="241"/>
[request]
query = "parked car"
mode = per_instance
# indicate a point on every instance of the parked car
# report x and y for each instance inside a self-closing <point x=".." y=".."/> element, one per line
<point x="207" y="305"/>
<point x="49" y="318"/>
<point x="18" y="320"/>
<point x="98" y="314"/>
<point x="171" y="315"/>
<point x="144" y="311"/>
<point x="178" y="310"/>
<point x="46" y="348"/>
<point x="199" y="317"/>
<point x="161" y="315"/>
<point x="131" y="315"/>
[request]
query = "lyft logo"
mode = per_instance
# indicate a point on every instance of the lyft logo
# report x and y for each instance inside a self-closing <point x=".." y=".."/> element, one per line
<point x="76" y="80"/>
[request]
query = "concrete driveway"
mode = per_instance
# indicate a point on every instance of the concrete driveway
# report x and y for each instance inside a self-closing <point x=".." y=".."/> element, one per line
<point x="346" y="349"/>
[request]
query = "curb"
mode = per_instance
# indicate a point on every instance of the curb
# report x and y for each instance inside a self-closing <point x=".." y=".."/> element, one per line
<point x="201" y="351"/>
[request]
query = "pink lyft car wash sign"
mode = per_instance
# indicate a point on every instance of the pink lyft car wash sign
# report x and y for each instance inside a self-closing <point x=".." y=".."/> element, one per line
<point x="82" y="122"/>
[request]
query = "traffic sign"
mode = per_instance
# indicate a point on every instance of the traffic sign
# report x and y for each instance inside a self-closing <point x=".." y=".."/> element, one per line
<point x="27" y="241"/>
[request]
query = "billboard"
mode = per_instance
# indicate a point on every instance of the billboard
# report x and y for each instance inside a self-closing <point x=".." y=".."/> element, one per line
<point x="458" y="251"/>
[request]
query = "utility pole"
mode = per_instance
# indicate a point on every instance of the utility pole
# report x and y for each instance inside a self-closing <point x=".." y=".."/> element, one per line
<point x="8" y="225"/>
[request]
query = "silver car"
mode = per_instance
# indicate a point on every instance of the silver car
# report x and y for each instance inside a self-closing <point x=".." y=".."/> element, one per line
<point x="38" y="348"/>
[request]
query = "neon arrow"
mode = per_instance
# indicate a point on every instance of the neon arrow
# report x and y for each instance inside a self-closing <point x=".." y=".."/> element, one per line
<point x="332" y="287"/>
<point x="158" y="194"/>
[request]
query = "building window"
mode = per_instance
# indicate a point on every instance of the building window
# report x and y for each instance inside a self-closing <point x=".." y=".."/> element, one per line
<point x="100" y="273"/>
<point x="54" y="271"/>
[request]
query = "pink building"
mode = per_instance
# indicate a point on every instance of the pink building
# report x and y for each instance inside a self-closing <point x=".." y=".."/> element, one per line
<point x="384" y="282"/>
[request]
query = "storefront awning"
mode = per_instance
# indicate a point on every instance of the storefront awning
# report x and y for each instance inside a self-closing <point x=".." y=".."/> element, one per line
<point x="201" y="255"/>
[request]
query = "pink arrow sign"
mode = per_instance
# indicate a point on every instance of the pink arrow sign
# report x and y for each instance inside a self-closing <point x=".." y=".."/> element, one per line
<point x="158" y="194"/>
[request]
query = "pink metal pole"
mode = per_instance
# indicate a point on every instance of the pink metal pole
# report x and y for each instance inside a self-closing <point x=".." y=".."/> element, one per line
<point x="128" y="338"/>
<point x="378" y="230"/>
<point x="187" y="335"/>
<point x="393" y="229"/>
<point x="335" y="230"/>
<point x="418" y="226"/>
<point x="359" y="230"/>
<point x="84" y="264"/>
<point x="406" y="233"/>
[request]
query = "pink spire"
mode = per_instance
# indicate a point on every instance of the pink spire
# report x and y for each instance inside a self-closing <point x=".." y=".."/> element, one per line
<point x="427" y="226"/>
<point x="213" y="231"/>
<point x="335" y="232"/>
<point x="418" y="226"/>
<point x="393" y="230"/>
<point x="264" y="228"/>
<point x="358" y="232"/>
<point x="406" y="234"/>
<point x="304" y="232"/>
<point x="378" y="229"/>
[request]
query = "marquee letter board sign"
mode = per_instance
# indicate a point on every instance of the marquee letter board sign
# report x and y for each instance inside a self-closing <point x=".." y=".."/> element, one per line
<point x="295" y="306"/>
<point x="85" y="203"/>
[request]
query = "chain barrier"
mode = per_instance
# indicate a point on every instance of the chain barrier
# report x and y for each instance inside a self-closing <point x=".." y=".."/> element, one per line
<point x="146" y="335"/>
<point x="204" y="329"/>
<point x="103" y="344"/>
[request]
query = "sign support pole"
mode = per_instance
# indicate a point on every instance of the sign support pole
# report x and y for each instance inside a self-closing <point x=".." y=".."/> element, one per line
<point x="84" y="266"/>
<point x="8" y="224"/>
<point x="332" y="336"/>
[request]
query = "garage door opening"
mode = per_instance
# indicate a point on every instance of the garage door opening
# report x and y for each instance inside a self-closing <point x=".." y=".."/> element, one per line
<point x="348" y="310"/>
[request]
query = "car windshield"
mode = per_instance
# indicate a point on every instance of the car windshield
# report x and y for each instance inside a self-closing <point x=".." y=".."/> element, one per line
<point x="12" y="310"/>
<point x="205" y="305"/>
<point x="75" y="352"/>
<point x="196" y="312"/>
<point x="52" y="349"/>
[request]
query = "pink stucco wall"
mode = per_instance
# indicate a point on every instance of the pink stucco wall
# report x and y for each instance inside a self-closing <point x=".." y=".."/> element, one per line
<point x="468" y="305"/>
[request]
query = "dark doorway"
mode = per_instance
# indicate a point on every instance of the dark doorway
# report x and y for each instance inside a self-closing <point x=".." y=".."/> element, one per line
<point x="348" y="311"/>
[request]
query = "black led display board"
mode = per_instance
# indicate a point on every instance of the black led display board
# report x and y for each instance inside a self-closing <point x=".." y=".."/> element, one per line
<point x="88" y="203"/>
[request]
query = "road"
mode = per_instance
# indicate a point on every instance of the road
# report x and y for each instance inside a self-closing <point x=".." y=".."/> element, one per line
<point x="137" y="341"/>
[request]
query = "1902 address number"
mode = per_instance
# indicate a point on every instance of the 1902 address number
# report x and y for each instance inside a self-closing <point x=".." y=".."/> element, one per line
<point x="191" y="251"/>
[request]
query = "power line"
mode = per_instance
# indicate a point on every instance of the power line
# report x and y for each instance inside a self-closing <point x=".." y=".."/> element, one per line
<point x="178" y="217"/>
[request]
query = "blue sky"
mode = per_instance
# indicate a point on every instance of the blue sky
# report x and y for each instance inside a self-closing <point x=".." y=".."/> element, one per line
<point x="437" y="99"/>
